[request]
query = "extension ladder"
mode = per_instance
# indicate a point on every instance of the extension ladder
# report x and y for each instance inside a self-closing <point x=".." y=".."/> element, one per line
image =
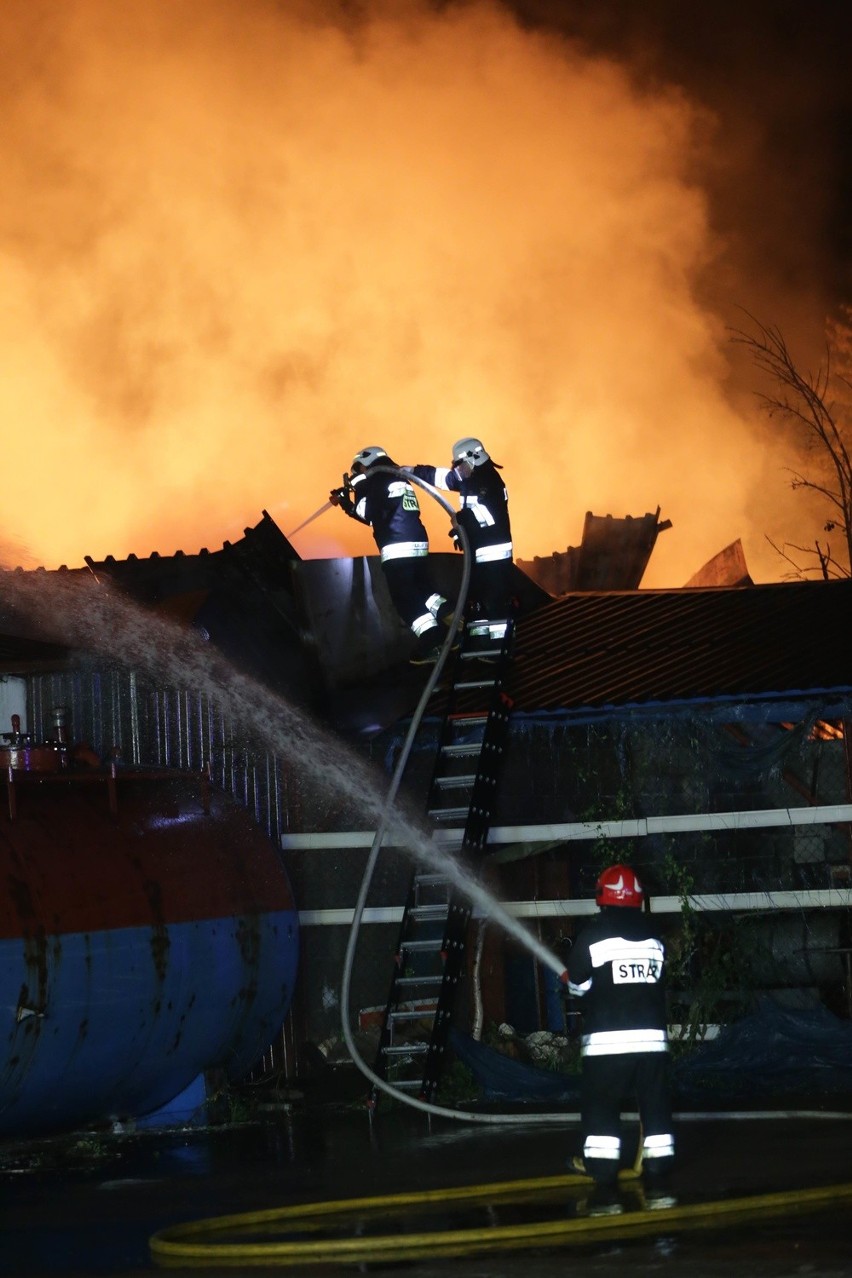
<point x="429" y="961"/>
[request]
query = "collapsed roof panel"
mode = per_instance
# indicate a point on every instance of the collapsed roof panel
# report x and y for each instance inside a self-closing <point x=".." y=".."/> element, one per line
<point x="612" y="555"/>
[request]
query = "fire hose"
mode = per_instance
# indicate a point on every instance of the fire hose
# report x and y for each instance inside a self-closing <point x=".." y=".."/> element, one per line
<point x="390" y="798"/>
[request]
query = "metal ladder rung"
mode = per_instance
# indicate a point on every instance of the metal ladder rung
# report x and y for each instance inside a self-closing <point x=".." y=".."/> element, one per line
<point x="475" y="683"/>
<point x="429" y="912"/>
<point x="448" y="814"/>
<point x="430" y="880"/>
<point x="405" y="1084"/>
<point x="465" y="748"/>
<point x="455" y="783"/>
<point x="419" y="980"/>
<point x="405" y="1049"/>
<point x="473" y="719"/>
<point x="422" y="1015"/>
<point x="424" y="947"/>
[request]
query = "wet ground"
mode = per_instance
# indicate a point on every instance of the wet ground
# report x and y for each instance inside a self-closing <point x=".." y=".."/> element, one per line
<point x="88" y="1205"/>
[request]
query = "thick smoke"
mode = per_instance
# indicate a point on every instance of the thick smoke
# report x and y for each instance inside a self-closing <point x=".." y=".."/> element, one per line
<point x="242" y="239"/>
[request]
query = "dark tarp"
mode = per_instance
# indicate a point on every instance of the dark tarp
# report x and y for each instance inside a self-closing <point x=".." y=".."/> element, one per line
<point x="772" y="1056"/>
<point x="776" y="1054"/>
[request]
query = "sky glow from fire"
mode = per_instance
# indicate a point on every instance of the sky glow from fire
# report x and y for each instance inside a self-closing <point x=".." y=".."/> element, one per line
<point x="239" y="242"/>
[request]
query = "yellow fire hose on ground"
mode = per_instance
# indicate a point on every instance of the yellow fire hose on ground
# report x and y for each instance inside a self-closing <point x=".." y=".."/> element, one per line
<point x="214" y="1242"/>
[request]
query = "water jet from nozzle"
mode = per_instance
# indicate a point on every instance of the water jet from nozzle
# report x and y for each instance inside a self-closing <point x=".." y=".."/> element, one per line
<point x="310" y="519"/>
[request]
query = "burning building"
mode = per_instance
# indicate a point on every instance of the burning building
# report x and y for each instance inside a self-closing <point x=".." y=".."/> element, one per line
<point x="227" y="726"/>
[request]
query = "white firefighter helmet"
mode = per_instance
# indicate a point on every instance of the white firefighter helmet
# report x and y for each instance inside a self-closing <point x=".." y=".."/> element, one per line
<point x="470" y="450"/>
<point x="367" y="457"/>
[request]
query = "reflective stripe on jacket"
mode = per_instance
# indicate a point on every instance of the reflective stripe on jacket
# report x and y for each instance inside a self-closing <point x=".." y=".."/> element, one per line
<point x="617" y="967"/>
<point x="390" y="507"/>
<point x="484" y="507"/>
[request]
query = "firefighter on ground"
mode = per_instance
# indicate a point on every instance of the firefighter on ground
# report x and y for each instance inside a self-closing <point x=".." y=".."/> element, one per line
<point x="617" y="966"/>
<point x="388" y="505"/>
<point x="484" y="515"/>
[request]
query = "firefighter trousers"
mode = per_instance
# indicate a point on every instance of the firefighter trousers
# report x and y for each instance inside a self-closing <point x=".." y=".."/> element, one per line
<point x="608" y="1082"/>
<point x="412" y="591"/>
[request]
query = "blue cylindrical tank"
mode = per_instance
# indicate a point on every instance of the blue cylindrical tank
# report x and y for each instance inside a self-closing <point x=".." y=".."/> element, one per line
<point x="148" y="933"/>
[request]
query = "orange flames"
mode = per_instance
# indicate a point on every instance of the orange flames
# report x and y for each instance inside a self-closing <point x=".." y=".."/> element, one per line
<point x="240" y="241"/>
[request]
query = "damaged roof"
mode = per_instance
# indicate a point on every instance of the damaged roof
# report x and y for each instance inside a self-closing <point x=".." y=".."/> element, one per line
<point x="612" y="555"/>
<point x="241" y="598"/>
<point x="587" y="650"/>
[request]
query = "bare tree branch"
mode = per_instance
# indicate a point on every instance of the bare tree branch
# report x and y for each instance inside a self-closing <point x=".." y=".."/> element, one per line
<point x="803" y="399"/>
<point x="827" y="566"/>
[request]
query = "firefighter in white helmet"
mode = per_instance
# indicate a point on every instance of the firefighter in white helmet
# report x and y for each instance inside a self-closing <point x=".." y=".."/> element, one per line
<point x="617" y="966"/>
<point x="387" y="503"/>
<point x="484" y="515"/>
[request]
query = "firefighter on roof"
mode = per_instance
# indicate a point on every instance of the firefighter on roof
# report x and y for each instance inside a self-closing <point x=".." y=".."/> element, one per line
<point x="484" y="515"/>
<point x="617" y="967"/>
<point x="388" y="505"/>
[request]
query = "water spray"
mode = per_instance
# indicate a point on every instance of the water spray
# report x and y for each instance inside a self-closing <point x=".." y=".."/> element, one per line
<point x="310" y="519"/>
<point x="346" y="488"/>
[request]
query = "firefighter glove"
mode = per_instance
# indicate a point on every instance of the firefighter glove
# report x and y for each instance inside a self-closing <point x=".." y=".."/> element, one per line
<point x="342" y="497"/>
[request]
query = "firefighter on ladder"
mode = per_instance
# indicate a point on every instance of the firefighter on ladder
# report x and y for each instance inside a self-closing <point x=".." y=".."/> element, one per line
<point x="388" y="505"/>
<point x="484" y="515"/>
<point x="617" y="967"/>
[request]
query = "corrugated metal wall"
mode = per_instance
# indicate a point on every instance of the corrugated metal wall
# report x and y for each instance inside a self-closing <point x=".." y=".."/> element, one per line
<point x="124" y="717"/>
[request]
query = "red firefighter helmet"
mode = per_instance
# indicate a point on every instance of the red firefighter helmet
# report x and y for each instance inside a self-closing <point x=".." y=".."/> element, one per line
<point x="619" y="885"/>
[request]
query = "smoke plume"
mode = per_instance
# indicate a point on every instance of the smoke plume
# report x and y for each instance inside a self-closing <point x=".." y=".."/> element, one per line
<point x="242" y="239"/>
